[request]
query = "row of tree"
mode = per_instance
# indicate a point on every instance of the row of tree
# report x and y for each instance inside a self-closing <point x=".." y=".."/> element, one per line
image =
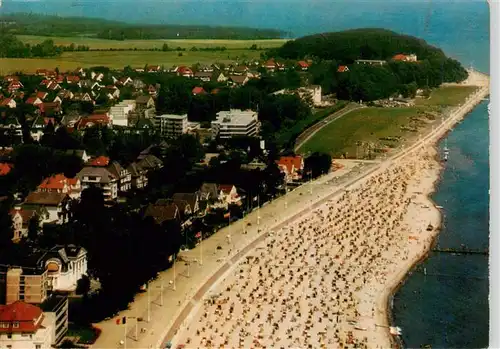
<point x="11" y="47"/>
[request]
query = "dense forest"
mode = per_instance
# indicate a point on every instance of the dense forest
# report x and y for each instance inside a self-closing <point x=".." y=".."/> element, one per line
<point x="35" y="24"/>
<point x="364" y="82"/>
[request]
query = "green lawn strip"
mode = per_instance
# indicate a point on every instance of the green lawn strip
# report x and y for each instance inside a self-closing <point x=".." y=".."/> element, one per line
<point x="366" y="125"/>
<point x="447" y="96"/>
<point x="288" y="136"/>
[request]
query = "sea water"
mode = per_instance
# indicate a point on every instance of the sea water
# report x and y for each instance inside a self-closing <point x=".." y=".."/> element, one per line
<point x="446" y="311"/>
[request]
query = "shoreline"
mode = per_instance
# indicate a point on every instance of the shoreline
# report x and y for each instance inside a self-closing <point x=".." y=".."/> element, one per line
<point x="397" y="341"/>
<point x="174" y="316"/>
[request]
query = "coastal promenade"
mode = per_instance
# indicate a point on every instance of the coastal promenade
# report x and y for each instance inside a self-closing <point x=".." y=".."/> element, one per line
<point x="204" y="266"/>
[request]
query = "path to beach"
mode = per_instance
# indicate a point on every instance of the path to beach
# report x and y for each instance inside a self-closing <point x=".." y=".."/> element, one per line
<point x="407" y="176"/>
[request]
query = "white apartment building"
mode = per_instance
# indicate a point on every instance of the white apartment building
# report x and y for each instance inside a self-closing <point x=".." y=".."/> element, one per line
<point x="120" y="112"/>
<point x="235" y="123"/>
<point x="171" y="125"/>
<point x="99" y="177"/>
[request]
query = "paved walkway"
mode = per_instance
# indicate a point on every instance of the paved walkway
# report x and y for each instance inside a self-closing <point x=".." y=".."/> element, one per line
<point x="206" y="263"/>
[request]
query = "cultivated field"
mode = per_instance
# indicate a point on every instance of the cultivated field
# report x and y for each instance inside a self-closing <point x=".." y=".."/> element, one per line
<point x="120" y="59"/>
<point x="94" y="43"/>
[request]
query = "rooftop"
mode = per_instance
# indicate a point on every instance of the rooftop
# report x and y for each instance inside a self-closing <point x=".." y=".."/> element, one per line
<point x="235" y="117"/>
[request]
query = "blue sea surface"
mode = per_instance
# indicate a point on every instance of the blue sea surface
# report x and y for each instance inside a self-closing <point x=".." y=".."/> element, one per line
<point x="449" y="310"/>
<point x="448" y="307"/>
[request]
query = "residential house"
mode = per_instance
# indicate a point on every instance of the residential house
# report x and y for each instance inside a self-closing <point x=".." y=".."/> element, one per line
<point x="238" y="80"/>
<point x="59" y="183"/>
<point x="303" y="65"/>
<point x="124" y="81"/>
<point x="150" y="163"/>
<point x="138" y="84"/>
<point x="220" y="77"/>
<point x="39" y="125"/>
<point x="188" y="203"/>
<point x="144" y="102"/>
<point x="96" y="76"/>
<point x="291" y="166"/>
<point x="270" y="65"/>
<point x="53" y="86"/>
<point x="64" y="94"/>
<point x="41" y="94"/>
<point x="89" y="84"/>
<point x="153" y="69"/>
<point x="139" y="175"/>
<point x="60" y="79"/>
<point x="405" y="58"/>
<point x="100" y="161"/>
<point x="55" y="203"/>
<point x="14" y="86"/>
<point x="8" y="102"/>
<point x="82" y="97"/>
<point x="72" y="79"/>
<point x="21" y="219"/>
<point x="206" y="68"/>
<point x="57" y="99"/>
<point x="228" y="194"/>
<point x="123" y="175"/>
<point x="48" y="109"/>
<point x="5" y="168"/>
<point x="11" y="125"/>
<point x="163" y="212"/>
<point x="100" y="177"/>
<point x="92" y="120"/>
<point x="184" y="71"/>
<point x="198" y="91"/>
<point x="33" y="100"/>
<point x="343" y="69"/>
<point x="24" y="326"/>
<point x="203" y="76"/>
<point x="65" y="266"/>
<point x="240" y="70"/>
<point x="152" y="90"/>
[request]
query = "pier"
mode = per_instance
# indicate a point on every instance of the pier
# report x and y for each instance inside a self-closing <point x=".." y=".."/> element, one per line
<point x="462" y="250"/>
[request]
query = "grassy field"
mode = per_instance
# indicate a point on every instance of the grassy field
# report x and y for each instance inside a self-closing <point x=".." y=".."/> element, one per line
<point x="94" y="43"/>
<point x="119" y="59"/>
<point x="370" y="124"/>
<point x="366" y="125"/>
<point x="447" y="96"/>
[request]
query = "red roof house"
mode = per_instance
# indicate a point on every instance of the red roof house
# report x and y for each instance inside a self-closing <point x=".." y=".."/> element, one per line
<point x="291" y="166"/>
<point x="20" y="317"/>
<point x="185" y="71"/>
<point x="5" y="168"/>
<point x="343" y="69"/>
<point x="198" y="91"/>
<point x="72" y="79"/>
<point x="59" y="183"/>
<point x="303" y="65"/>
<point x="100" y="161"/>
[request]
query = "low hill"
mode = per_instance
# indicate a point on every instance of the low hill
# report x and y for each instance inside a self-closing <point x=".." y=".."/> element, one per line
<point x="370" y="82"/>
<point x="48" y="25"/>
<point x="347" y="46"/>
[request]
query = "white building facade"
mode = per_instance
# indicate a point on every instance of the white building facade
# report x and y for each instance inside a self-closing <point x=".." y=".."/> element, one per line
<point x="235" y="123"/>
<point x="171" y="125"/>
<point x="120" y="112"/>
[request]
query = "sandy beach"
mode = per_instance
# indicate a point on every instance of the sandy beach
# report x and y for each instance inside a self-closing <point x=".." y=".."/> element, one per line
<point x="315" y="281"/>
<point x="313" y="268"/>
